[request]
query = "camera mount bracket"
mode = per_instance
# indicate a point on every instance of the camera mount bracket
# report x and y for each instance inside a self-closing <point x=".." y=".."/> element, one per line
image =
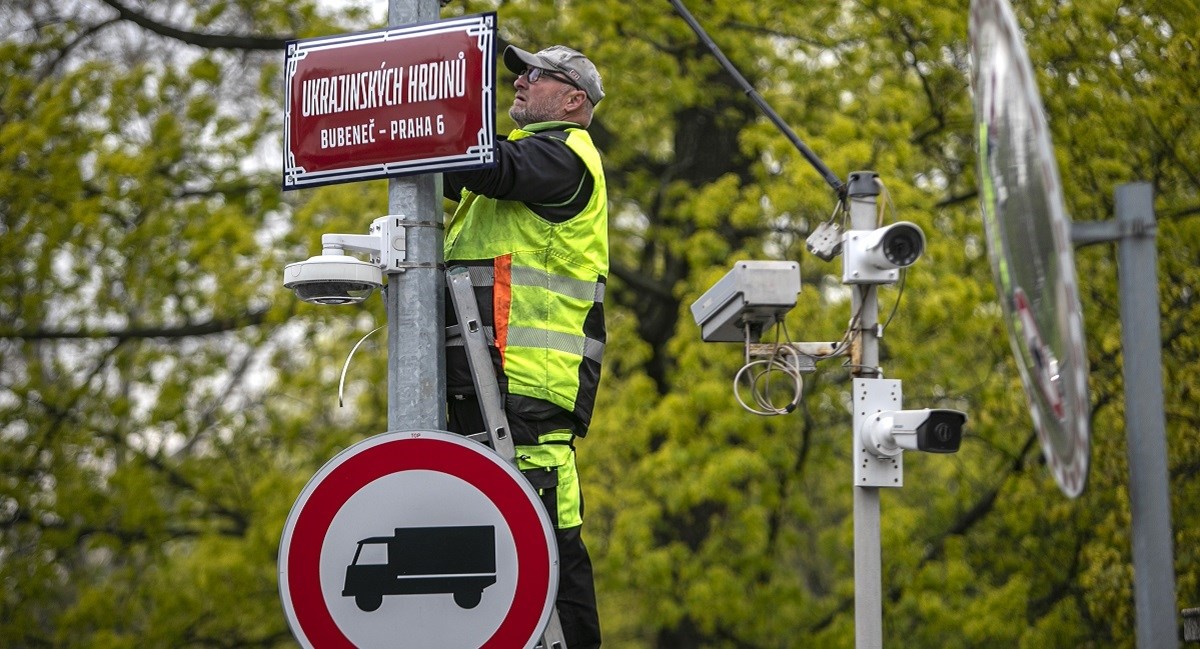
<point x="386" y="243"/>
<point x="393" y="242"/>
<point x="871" y="397"/>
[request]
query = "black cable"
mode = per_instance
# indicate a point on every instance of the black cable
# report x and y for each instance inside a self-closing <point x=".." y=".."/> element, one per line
<point x="830" y="177"/>
<point x="896" y="305"/>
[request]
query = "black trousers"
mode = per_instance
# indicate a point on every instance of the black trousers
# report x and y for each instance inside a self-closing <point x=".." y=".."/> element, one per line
<point x="576" y="598"/>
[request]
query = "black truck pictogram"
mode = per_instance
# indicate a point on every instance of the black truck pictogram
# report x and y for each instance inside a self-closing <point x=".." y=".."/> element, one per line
<point x="424" y="560"/>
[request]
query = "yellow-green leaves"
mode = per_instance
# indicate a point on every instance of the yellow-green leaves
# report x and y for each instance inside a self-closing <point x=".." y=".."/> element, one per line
<point x="163" y="399"/>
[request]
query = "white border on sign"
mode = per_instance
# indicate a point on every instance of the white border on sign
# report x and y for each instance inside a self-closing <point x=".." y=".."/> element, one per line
<point x="482" y="26"/>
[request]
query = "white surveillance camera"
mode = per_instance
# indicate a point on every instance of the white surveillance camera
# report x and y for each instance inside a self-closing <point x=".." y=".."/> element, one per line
<point x="876" y="256"/>
<point x="932" y="430"/>
<point x="754" y="295"/>
<point x="332" y="278"/>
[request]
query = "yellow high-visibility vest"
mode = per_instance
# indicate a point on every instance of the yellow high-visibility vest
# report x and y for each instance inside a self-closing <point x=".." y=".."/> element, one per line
<point x="546" y="284"/>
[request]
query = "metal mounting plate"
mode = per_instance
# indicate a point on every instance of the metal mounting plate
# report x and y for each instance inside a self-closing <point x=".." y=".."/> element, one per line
<point x="873" y="396"/>
<point x="393" y="242"/>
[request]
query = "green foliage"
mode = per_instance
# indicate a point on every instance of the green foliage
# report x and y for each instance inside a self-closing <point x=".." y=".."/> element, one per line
<point x="163" y="400"/>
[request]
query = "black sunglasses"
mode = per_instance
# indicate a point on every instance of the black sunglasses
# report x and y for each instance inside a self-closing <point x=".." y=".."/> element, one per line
<point x="533" y="74"/>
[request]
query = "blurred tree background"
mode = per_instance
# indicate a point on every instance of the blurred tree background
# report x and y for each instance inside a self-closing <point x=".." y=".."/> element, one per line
<point x="163" y="400"/>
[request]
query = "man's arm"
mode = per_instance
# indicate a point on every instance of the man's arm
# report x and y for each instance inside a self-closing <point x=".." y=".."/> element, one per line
<point x="539" y="170"/>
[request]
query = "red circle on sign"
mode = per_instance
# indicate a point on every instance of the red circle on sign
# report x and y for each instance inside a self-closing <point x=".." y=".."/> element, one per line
<point x="407" y="454"/>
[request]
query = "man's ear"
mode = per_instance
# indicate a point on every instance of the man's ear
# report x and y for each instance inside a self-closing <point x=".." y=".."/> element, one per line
<point x="575" y="100"/>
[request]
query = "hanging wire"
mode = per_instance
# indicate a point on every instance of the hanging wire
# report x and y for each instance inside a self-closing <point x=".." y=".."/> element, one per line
<point x="759" y="374"/>
<point x="852" y="333"/>
<point x="346" y="366"/>
<point x="887" y="202"/>
<point x="843" y="346"/>
<point x="844" y="209"/>
<point x="896" y="304"/>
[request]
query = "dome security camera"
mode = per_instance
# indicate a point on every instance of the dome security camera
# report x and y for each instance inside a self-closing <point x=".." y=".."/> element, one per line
<point x="332" y="278"/>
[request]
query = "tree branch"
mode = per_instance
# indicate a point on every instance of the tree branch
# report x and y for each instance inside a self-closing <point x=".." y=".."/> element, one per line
<point x="640" y="281"/>
<point x="955" y="200"/>
<point x="188" y="330"/>
<point x="1182" y="213"/>
<point x="126" y="535"/>
<point x="206" y="41"/>
<point x="53" y="65"/>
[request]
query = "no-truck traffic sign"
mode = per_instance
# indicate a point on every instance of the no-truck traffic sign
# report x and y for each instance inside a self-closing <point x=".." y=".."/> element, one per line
<point x="418" y="539"/>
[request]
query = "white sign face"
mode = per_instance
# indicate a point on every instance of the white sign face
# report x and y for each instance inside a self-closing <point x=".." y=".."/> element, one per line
<point x="422" y="540"/>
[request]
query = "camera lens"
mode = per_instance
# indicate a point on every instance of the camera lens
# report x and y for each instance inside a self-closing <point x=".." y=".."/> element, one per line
<point x="903" y="245"/>
<point x="333" y="292"/>
<point x="942" y="432"/>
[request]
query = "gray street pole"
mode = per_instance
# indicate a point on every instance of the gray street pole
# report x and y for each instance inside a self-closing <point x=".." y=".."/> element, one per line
<point x="1145" y="426"/>
<point x="868" y="554"/>
<point x="1134" y="230"/>
<point x="414" y="299"/>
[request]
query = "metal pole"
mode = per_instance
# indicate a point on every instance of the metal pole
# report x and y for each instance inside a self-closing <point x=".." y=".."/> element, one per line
<point x="862" y="191"/>
<point x="414" y="299"/>
<point x="1149" y="492"/>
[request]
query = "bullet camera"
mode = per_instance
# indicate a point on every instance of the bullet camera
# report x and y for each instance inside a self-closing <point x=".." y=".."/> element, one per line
<point x="932" y="430"/>
<point x="332" y="278"/>
<point x="876" y="256"/>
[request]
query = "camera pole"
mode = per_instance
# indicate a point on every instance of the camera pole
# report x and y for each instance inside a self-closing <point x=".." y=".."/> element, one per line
<point x="862" y="191"/>
<point x="757" y="294"/>
<point x="415" y="294"/>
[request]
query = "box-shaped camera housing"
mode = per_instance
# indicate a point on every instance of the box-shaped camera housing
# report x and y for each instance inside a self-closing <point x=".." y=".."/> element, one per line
<point x="755" y="293"/>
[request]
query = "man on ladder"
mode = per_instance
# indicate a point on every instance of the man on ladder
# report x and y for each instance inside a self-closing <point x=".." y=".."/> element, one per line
<point x="533" y="235"/>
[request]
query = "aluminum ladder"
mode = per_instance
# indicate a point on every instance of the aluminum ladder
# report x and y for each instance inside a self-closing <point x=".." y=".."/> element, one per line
<point x="487" y="391"/>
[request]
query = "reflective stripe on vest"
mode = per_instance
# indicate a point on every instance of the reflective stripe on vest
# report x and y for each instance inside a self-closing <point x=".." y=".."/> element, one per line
<point x="485" y="277"/>
<point x="531" y="337"/>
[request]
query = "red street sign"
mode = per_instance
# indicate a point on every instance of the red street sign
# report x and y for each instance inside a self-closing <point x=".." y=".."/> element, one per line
<point x="393" y="102"/>
<point x="421" y="539"/>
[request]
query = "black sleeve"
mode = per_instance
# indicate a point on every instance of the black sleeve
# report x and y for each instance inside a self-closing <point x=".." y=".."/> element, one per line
<point x="451" y="187"/>
<point x="454" y="181"/>
<point x="539" y="170"/>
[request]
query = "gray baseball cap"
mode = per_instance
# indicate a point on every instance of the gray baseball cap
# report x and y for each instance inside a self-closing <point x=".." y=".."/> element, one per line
<point x="560" y="59"/>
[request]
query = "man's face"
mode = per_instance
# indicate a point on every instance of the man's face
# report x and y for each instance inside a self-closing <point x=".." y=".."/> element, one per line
<point x="540" y="101"/>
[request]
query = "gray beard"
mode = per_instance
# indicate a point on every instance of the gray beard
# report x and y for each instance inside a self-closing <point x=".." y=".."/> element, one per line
<point x="526" y="116"/>
<point x="532" y="113"/>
